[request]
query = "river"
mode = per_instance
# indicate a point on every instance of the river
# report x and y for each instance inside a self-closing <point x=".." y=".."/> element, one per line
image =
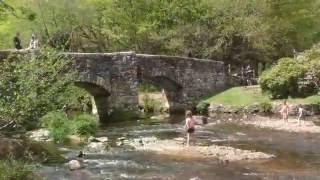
<point x="297" y="155"/>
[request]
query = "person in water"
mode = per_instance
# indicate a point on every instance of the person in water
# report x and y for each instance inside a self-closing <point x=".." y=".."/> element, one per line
<point x="17" y="41"/>
<point x="300" y="113"/>
<point x="285" y="111"/>
<point x="190" y="125"/>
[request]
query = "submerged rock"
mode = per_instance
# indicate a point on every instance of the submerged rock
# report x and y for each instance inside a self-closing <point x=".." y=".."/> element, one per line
<point x="74" y="164"/>
<point x="97" y="147"/>
<point x="98" y="139"/>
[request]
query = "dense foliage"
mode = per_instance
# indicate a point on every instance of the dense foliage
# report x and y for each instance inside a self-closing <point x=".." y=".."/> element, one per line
<point x="281" y="80"/>
<point x="16" y="170"/>
<point x="85" y="125"/>
<point x="58" y="125"/>
<point x="234" y="31"/>
<point x="32" y="85"/>
<point x="294" y="77"/>
<point x="61" y="126"/>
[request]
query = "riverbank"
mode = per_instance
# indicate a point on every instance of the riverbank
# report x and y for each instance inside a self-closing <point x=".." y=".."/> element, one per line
<point x="278" y="124"/>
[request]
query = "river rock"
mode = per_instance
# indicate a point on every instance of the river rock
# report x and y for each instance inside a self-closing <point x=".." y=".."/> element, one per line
<point x="74" y="164"/>
<point x="98" y="139"/>
<point x="39" y="135"/>
<point x="97" y="147"/>
<point x="102" y="139"/>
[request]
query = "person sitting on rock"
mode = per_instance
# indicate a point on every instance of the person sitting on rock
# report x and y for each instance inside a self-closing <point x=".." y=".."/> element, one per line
<point x="190" y="125"/>
<point x="285" y="111"/>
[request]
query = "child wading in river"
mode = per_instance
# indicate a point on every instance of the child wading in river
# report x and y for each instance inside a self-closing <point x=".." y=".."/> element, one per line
<point x="300" y="113"/>
<point x="190" y="125"/>
<point x="285" y="111"/>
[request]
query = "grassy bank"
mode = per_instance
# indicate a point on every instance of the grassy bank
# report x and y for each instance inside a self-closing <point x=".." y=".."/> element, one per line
<point x="242" y="96"/>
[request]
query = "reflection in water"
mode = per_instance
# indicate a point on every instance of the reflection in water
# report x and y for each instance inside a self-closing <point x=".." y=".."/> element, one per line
<point x="297" y="154"/>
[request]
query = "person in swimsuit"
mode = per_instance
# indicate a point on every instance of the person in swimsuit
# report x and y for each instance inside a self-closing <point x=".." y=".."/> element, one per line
<point x="190" y="125"/>
<point x="285" y="111"/>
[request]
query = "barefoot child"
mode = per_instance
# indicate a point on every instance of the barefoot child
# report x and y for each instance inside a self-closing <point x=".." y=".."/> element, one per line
<point x="300" y="114"/>
<point x="190" y="125"/>
<point x="285" y="111"/>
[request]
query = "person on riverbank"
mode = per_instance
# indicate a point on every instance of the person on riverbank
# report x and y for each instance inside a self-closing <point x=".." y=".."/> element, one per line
<point x="285" y="111"/>
<point x="17" y="41"/>
<point x="190" y="125"/>
<point x="300" y="113"/>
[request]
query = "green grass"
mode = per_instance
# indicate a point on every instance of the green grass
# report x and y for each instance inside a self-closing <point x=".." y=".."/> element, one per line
<point x="243" y="96"/>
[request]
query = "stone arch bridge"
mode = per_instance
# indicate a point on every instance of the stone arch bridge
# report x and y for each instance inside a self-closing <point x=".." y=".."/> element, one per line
<point x="113" y="78"/>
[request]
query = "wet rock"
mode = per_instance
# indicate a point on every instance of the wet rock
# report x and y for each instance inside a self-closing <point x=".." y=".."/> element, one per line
<point x="97" y="147"/>
<point x="201" y="119"/>
<point x="74" y="164"/>
<point x="102" y="139"/>
<point x="240" y="134"/>
<point x="195" y="178"/>
<point x="40" y="135"/>
<point x="251" y="109"/>
<point x="98" y="139"/>
<point x="174" y="148"/>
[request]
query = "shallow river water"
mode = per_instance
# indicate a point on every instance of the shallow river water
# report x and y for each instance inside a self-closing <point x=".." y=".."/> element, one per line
<point x="297" y="155"/>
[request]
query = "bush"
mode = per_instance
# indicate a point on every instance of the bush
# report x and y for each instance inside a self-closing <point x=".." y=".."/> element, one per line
<point x="282" y="79"/>
<point x="202" y="108"/>
<point x="151" y="105"/>
<point x="58" y="125"/>
<point x="146" y="87"/>
<point x="265" y="107"/>
<point x="85" y="125"/>
<point x="16" y="170"/>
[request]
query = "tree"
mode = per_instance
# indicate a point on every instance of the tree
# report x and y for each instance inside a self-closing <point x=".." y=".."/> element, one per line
<point x="33" y="86"/>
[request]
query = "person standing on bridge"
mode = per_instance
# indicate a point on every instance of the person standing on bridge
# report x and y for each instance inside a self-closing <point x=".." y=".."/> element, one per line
<point x="17" y="41"/>
<point x="34" y="43"/>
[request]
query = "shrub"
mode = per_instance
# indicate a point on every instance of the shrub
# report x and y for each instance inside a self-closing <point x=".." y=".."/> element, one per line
<point x="202" y="108"/>
<point x="16" y="170"/>
<point x="265" y="107"/>
<point x="58" y="125"/>
<point x="146" y="87"/>
<point x="151" y="105"/>
<point x="282" y="79"/>
<point x="85" y="125"/>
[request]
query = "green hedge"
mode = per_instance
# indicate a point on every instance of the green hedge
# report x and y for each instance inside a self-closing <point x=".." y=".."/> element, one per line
<point x="281" y="81"/>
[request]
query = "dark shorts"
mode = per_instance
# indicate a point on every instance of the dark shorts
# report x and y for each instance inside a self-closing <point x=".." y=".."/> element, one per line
<point x="190" y="130"/>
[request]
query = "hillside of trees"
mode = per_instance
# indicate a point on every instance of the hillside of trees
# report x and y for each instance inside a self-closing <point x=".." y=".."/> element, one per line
<point x="237" y="32"/>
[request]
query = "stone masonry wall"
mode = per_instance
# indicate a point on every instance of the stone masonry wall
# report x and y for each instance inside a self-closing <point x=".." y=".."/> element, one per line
<point x="194" y="78"/>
